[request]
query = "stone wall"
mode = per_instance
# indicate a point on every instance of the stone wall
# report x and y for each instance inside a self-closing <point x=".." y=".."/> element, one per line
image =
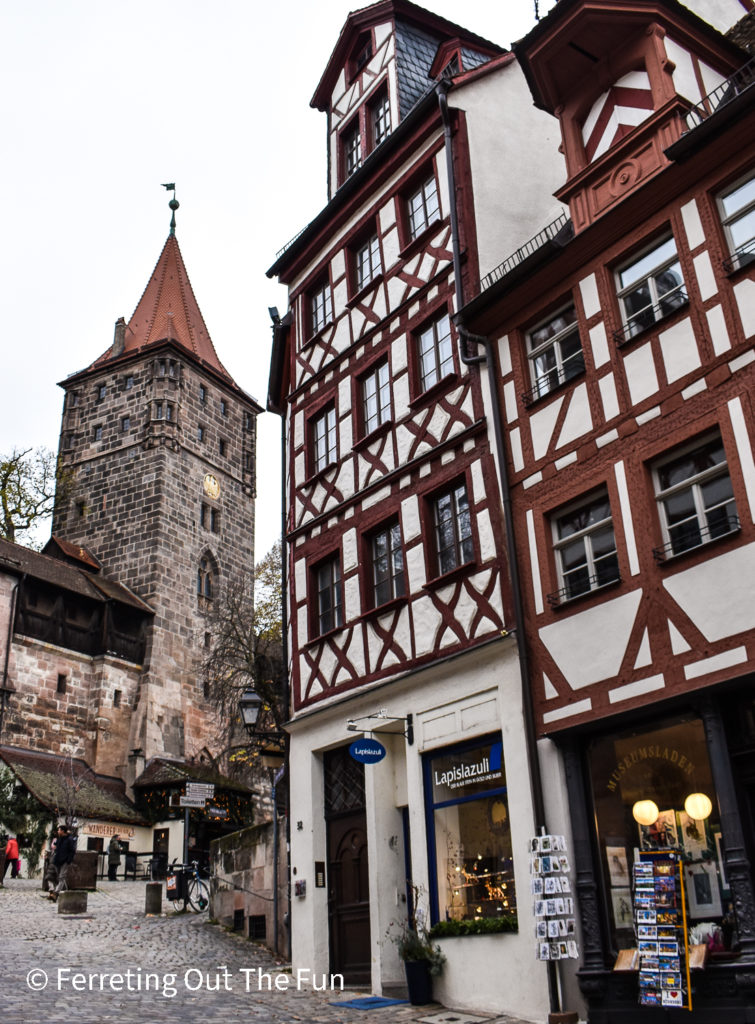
<point x="153" y="496"/>
<point x="86" y="713"/>
<point x="242" y="880"/>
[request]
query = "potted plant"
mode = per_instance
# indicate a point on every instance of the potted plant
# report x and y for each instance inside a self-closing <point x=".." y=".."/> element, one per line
<point x="422" y="958"/>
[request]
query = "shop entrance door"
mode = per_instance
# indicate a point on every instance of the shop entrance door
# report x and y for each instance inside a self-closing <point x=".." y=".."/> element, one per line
<point x="348" y="885"/>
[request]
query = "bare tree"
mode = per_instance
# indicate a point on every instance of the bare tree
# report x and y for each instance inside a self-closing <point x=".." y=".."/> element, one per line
<point x="245" y="652"/>
<point x="29" y="479"/>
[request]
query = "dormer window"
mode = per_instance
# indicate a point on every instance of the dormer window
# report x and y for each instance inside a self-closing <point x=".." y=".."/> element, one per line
<point x="361" y="55"/>
<point x="352" y="150"/>
<point x="380" y="118"/>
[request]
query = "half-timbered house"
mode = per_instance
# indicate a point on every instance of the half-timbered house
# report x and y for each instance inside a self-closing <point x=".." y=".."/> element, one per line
<point x="399" y="607"/>
<point x="623" y="339"/>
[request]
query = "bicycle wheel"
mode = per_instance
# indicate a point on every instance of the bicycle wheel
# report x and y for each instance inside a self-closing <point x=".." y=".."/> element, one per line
<point x="199" y="895"/>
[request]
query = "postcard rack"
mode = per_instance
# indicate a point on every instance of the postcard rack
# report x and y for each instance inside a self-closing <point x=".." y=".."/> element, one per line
<point x="660" y="921"/>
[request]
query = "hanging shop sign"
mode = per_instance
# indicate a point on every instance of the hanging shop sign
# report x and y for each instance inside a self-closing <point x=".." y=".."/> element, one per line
<point x="367" y="751"/>
<point x="555" y="921"/>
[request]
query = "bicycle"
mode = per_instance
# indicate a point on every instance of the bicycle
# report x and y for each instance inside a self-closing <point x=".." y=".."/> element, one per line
<point x="194" y="888"/>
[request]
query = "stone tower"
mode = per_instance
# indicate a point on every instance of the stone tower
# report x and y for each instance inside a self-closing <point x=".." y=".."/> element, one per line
<point x="161" y="442"/>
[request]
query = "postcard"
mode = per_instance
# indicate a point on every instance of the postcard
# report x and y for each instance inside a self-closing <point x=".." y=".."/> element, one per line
<point x="647" y="931"/>
<point x="644" y="915"/>
<point x="650" y="997"/>
<point x="673" y="997"/>
<point x="672" y="979"/>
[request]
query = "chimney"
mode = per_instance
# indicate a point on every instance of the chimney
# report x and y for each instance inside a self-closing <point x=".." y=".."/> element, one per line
<point x="119" y="338"/>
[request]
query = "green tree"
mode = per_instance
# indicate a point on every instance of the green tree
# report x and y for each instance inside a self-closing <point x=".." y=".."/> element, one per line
<point x="29" y="479"/>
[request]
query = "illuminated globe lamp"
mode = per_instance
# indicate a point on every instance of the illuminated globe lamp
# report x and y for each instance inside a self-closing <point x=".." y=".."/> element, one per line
<point x="645" y="812"/>
<point x="698" y="806"/>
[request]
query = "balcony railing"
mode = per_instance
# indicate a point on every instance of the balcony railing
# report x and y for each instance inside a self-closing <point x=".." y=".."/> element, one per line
<point x="650" y="316"/>
<point x="696" y="536"/>
<point x="586" y="585"/>
<point x="743" y="256"/>
<point x="739" y="82"/>
<point x="548" y="234"/>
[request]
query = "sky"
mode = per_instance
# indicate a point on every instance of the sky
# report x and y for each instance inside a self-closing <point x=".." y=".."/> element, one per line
<point x="101" y="102"/>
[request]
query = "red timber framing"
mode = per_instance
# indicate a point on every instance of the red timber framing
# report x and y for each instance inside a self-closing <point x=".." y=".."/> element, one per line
<point x="430" y="441"/>
<point x="665" y="622"/>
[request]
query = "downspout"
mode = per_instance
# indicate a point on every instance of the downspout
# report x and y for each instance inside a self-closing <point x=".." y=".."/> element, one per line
<point x="9" y="639"/>
<point x="283" y="771"/>
<point x="465" y="337"/>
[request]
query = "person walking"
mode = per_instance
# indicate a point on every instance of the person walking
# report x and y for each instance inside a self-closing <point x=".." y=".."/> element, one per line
<point x="65" y="851"/>
<point x="12" y="858"/>
<point x="113" y="858"/>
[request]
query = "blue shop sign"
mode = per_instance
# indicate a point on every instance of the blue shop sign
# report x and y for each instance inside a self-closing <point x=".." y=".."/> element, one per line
<point x="367" y="751"/>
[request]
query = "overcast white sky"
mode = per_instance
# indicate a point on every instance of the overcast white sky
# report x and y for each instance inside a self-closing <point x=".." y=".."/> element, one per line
<point x="102" y="100"/>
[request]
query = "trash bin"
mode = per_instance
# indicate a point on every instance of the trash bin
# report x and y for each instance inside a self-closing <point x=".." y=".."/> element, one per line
<point x="175" y="884"/>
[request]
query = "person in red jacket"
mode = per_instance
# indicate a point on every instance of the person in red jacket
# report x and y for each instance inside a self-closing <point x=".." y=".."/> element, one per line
<point x="12" y="858"/>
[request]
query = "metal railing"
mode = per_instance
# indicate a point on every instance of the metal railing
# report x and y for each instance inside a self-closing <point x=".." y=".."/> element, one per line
<point x="739" y="82"/>
<point x="570" y="593"/>
<point x="696" y="536"/>
<point x="548" y="234"/>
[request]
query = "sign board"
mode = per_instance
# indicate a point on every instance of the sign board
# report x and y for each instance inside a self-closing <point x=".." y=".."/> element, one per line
<point x="367" y="751"/>
<point x="203" y="789"/>
<point x="219" y="813"/>
<point x="191" y="801"/>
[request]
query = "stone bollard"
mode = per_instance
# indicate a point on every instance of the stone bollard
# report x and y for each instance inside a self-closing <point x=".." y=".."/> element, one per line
<point x="72" y="901"/>
<point x="153" y="898"/>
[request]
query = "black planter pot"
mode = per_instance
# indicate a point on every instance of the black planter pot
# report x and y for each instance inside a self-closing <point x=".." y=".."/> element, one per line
<point x="419" y="981"/>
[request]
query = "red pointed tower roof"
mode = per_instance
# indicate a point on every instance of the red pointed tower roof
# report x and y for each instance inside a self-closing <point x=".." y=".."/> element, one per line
<point x="168" y="311"/>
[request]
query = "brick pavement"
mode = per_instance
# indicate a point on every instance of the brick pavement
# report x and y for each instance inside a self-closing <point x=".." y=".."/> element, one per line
<point x="116" y="964"/>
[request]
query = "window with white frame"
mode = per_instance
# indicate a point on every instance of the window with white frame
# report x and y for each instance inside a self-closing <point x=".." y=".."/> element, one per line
<point x="380" y="119"/>
<point x="423" y="207"/>
<point x="320" y="307"/>
<point x="452" y="526"/>
<point x="737" y="208"/>
<point x="324" y="439"/>
<point x="329" y="595"/>
<point x="388" y="582"/>
<point x="555" y="352"/>
<point x="352" y="150"/>
<point x="376" y="397"/>
<point x="435" y="352"/>
<point x="585" y="547"/>
<point x="367" y="262"/>
<point x="695" y="497"/>
<point x="650" y="287"/>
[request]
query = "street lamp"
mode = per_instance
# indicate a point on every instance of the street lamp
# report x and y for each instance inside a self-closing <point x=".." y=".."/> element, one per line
<point x="250" y="705"/>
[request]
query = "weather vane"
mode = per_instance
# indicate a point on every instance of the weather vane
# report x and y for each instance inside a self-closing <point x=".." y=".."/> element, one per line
<point x="173" y="204"/>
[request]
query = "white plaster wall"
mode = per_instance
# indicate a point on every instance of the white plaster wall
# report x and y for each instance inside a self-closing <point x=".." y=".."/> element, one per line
<point x="510" y="207"/>
<point x="467" y="696"/>
<point x="721" y="14"/>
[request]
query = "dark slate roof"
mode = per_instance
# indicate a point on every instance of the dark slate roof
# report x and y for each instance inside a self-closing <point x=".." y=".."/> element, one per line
<point x="19" y="560"/>
<point x="743" y="33"/>
<point x="415" y="52"/>
<point x="161" y="771"/>
<point x="46" y="776"/>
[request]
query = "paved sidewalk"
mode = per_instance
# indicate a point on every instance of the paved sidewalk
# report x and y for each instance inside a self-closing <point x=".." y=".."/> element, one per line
<point x="116" y="964"/>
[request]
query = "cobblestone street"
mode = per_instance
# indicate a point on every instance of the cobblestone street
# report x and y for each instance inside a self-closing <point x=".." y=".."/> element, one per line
<point x="197" y="971"/>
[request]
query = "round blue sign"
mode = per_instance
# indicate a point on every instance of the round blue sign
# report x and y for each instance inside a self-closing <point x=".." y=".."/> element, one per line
<point x="367" y="751"/>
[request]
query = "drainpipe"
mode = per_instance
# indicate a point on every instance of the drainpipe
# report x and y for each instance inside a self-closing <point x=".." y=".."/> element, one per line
<point x="279" y="323"/>
<point x="9" y="639"/>
<point x="465" y="338"/>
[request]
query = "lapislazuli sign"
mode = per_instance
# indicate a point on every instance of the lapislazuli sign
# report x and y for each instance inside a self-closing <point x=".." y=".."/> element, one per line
<point x="367" y="751"/>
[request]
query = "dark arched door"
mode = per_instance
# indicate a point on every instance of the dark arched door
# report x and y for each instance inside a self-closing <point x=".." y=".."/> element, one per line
<point x="348" y="885"/>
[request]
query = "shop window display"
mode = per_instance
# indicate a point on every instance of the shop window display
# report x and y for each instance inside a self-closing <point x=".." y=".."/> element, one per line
<point x="653" y="792"/>
<point x="469" y="833"/>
